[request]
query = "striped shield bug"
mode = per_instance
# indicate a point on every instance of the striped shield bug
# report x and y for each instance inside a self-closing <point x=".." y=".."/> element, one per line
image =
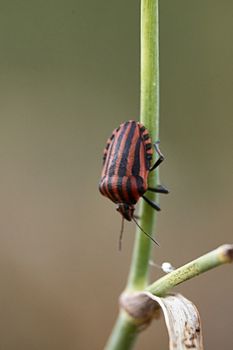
<point x="126" y="166"/>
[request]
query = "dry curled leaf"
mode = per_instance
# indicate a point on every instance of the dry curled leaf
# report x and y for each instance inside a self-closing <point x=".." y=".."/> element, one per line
<point x="182" y="321"/>
<point x="181" y="317"/>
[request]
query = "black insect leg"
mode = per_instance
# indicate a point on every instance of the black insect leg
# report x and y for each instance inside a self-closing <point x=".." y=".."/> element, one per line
<point x="160" y="159"/>
<point x="151" y="203"/>
<point x="158" y="189"/>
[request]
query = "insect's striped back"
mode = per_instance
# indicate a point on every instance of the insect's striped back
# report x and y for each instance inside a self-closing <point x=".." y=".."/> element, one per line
<point x="126" y="163"/>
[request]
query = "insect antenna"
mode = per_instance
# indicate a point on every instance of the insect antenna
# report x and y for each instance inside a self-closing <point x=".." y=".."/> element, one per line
<point x="121" y="234"/>
<point x="147" y="234"/>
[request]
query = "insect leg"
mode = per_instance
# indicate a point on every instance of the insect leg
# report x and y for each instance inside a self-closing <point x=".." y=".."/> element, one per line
<point x="158" y="189"/>
<point x="151" y="203"/>
<point x="160" y="159"/>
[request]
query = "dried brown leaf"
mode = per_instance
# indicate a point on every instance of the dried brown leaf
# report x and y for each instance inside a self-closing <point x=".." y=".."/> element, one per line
<point x="182" y="321"/>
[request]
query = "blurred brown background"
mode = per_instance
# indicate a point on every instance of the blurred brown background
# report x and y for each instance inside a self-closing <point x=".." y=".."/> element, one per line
<point x="69" y="75"/>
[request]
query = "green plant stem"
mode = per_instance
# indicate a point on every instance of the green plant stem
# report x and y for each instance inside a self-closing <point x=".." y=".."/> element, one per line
<point x="149" y="116"/>
<point x="217" y="257"/>
<point x="126" y="329"/>
<point x="123" y="334"/>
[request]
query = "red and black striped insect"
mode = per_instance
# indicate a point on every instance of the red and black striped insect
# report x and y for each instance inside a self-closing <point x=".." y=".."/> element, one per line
<point x="126" y="166"/>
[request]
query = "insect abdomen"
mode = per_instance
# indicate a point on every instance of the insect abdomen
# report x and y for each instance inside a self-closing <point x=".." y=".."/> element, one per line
<point x="126" y="163"/>
<point x="126" y="189"/>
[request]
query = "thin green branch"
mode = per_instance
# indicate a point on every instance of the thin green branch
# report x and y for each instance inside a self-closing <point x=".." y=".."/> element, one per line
<point x="127" y="326"/>
<point x="217" y="257"/>
<point x="149" y="116"/>
<point x="123" y="334"/>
